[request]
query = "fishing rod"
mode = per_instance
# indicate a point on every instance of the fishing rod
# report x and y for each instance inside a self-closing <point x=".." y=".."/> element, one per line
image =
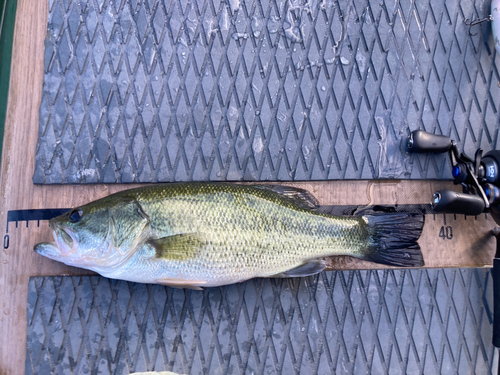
<point x="479" y="177"/>
<point x="480" y="180"/>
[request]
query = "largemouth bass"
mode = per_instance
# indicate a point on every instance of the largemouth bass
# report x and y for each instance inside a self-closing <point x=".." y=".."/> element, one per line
<point x="194" y="235"/>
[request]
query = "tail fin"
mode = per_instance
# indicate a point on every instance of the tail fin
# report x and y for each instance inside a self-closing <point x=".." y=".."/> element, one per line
<point x="393" y="239"/>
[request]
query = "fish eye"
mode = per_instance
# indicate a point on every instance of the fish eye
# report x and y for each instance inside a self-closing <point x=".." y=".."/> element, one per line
<point x="75" y="215"/>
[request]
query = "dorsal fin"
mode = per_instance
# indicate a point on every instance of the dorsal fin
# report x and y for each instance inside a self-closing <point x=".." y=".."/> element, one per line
<point x="301" y="197"/>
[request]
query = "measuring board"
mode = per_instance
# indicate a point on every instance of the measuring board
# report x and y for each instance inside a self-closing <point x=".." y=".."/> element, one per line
<point x="439" y="230"/>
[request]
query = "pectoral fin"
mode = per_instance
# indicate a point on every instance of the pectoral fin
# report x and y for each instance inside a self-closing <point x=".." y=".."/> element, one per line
<point x="178" y="247"/>
<point x="183" y="284"/>
<point x="307" y="269"/>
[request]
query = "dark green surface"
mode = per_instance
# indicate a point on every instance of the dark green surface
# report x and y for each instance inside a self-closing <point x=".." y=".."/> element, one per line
<point x="8" y="10"/>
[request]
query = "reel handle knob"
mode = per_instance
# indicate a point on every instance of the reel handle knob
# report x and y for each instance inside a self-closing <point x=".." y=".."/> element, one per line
<point x="452" y="202"/>
<point x="420" y="141"/>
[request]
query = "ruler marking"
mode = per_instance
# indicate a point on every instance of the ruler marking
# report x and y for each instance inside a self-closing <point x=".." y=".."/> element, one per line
<point x="27" y="216"/>
<point x="35" y="215"/>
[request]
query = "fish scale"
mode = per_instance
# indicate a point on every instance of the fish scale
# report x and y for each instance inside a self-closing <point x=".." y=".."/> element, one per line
<point x="210" y="234"/>
<point x="245" y="229"/>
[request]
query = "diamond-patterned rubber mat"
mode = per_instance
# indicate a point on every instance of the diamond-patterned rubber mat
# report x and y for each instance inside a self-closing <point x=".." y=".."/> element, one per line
<point x="392" y="321"/>
<point x="159" y="90"/>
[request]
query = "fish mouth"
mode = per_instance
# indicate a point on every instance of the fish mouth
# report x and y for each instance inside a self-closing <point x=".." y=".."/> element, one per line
<point x="64" y="240"/>
<point x="66" y="237"/>
<point x="48" y="249"/>
<point x="62" y="246"/>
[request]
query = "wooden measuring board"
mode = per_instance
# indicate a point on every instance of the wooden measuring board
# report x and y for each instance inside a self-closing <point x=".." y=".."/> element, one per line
<point x="440" y="231"/>
<point x="447" y="240"/>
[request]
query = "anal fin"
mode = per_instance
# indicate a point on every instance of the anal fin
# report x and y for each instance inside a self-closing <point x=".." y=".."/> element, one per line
<point x="307" y="269"/>
<point x="182" y="284"/>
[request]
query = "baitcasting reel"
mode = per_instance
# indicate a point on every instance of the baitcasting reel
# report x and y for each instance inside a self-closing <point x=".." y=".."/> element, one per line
<point x="479" y="177"/>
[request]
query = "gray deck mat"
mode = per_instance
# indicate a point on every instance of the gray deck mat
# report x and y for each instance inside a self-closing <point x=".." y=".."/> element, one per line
<point x="394" y="321"/>
<point x="147" y="91"/>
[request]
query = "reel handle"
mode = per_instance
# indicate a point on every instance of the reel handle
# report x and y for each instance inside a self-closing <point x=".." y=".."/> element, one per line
<point x="420" y="142"/>
<point x="452" y="202"/>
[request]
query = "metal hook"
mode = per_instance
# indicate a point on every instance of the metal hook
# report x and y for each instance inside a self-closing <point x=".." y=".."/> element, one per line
<point x="470" y="23"/>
